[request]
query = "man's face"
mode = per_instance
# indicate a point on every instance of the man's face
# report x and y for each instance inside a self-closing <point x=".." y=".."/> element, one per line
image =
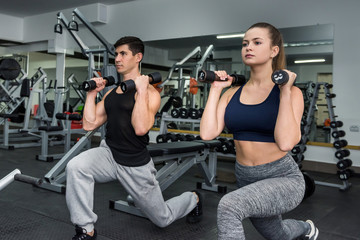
<point x="125" y="61"/>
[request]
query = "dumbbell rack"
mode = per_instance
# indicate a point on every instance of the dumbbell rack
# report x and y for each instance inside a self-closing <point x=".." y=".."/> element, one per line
<point x="168" y="118"/>
<point x="299" y="149"/>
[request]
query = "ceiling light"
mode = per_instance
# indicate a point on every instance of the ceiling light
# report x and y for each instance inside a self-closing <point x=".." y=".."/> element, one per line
<point x="235" y="35"/>
<point x="310" y="60"/>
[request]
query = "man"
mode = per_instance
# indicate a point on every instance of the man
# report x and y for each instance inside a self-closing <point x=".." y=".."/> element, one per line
<point x="123" y="155"/>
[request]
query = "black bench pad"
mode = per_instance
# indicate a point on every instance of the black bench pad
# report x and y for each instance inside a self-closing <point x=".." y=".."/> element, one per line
<point x="175" y="147"/>
<point x="210" y="143"/>
<point x="51" y="128"/>
<point x="5" y="115"/>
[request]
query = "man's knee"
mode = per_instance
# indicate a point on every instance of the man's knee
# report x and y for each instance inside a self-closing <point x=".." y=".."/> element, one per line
<point x="74" y="165"/>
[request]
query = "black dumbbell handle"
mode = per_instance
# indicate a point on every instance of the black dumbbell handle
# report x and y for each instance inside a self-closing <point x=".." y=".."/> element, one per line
<point x="91" y="84"/>
<point x="210" y="76"/>
<point x="128" y="85"/>
<point x="280" y="77"/>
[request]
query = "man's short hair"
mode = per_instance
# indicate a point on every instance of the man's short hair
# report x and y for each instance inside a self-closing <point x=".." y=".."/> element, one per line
<point x="135" y="44"/>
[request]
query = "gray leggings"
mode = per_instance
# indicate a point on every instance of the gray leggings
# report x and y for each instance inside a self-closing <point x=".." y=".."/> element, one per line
<point x="265" y="192"/>
<point x="98" y="165"/>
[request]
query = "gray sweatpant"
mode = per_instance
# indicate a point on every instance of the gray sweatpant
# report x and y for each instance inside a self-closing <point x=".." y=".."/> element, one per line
<point x="265" y="192"/>
<point x="98" y="165"/>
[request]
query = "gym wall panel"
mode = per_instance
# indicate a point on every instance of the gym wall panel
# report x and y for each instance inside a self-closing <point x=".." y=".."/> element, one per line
<point x="13" y="30"/>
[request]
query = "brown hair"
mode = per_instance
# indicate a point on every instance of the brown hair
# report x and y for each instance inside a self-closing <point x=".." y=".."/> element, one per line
<point x="135" y="44"/>
<point x="279" y="61"/>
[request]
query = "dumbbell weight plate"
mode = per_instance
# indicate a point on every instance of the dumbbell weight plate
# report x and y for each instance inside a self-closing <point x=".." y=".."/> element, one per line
<point x="184" y="113"/>
<point x="194" y="113"/>
<point x="342" y="153"/>
<point x="175" y="113"/>
<point x="343" y="164"/>
<point x="309" y="185"/>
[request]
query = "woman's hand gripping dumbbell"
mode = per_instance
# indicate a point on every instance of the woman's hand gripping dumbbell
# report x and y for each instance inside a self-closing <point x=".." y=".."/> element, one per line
<point x="128" y="85"/>
<point x="282" y="77"/>
<point x="210" y="77"/>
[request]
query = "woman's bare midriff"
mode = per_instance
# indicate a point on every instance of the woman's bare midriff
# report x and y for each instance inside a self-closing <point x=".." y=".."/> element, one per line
<point x="250" y="153"/>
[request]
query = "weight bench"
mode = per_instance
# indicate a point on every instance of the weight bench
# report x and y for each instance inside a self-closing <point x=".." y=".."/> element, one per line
<point x="48" y="131"/>
<point x="178" y="157"/>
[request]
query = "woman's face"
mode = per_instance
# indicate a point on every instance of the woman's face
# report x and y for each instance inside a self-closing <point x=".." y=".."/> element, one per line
<point x="256" y="47"/>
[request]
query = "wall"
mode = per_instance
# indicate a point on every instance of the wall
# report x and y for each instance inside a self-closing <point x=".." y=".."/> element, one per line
<point x="165" y="19"/>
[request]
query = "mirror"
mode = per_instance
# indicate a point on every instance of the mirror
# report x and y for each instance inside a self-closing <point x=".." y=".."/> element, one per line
<point x="301" y="43"/>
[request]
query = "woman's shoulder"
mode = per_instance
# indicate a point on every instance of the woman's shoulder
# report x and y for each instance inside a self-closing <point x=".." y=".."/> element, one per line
<point x="229" y="93"/>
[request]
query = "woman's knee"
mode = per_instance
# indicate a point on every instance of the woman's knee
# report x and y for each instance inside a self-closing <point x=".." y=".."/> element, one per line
<point x="230" y="206"/>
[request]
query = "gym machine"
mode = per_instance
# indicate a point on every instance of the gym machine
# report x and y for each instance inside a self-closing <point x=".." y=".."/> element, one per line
<point x="176" y="100"/>
<point x="74" y="83"/>
<point x="108" y="49"/>
<point x="25" y="133"/>
<point x="339" y="144"/>
<point x="72" y="27"/>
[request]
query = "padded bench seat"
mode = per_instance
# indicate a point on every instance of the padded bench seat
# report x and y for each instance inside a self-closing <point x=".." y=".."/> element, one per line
<point x="51" y="128"/>
<point x="12" y="115"/>
<point x="161" y="149"/>
<point x="210" y="143"/>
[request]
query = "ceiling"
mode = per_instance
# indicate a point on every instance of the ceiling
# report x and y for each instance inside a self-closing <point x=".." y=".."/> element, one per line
<point x="36" y="7"/>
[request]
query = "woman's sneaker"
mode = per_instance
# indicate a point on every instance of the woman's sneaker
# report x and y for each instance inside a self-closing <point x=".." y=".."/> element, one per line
<point x="81" y="234"/>
<point x="314" y="232"/>
<point x="196" y="214"/>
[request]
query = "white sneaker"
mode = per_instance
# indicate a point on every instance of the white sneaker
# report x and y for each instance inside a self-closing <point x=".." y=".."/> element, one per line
<point x="314" y="232"/>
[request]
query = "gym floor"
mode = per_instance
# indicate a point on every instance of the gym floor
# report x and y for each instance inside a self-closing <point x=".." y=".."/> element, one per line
<point x="28" y="212"/>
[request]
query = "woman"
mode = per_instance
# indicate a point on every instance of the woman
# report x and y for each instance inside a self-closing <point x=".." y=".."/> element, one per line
<point x="265" y="121"/>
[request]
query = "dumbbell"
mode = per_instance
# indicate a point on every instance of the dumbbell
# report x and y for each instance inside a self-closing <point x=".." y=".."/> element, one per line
<point x="345" y="174"/>
<point x="298" y="159"/>
<point x="280" y="77"/>
<point x="17" y="176"/>
<point x="163" y="138"/>
<point x="330" y="95"/>
<point x="343" y="164"/>
<point x="342" y="153"/>
<point x="194" y="113"/>
<point x="232" y="146"/>
<point x="338" y="134"/>
<point x="328" y="85"/>
<point x="160" y="138"/>
<point x="180" y="137"/>
<point x="335" y="124"/>
<point x="225" y="145"/>
<point x="340" y="143"/>
<point x="177" y="102"/>
<point x="210" y="76"/>
<point x="201" y="111"/>
<point x="91" y="84"/>
<point x="297" y="149"/>
<point x="183" y="113"/>
<point x="189" y="137"/>
<point x="175" y="113"/>
<point x="128" y="85"/>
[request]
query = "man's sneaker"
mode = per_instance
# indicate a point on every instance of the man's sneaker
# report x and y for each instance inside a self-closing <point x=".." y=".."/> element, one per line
<point x="196" y="214"/>
<point x="81" y="234"/>
<point x="314" y="232"/>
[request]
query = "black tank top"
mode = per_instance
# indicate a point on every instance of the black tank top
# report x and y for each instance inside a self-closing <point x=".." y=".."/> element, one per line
<point x="127" y="148"/>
